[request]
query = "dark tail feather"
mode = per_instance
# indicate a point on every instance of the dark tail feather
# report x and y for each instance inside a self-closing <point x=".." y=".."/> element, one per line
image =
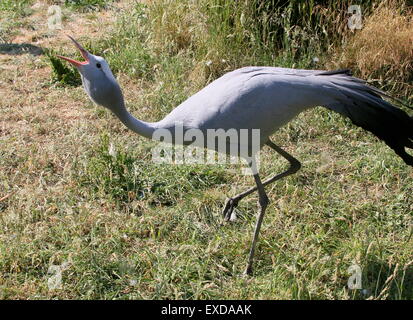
<point x="333" y="72"/>
<point x="366" y="108"/>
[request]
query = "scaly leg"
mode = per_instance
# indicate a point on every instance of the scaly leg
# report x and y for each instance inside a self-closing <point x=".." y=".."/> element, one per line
<point x="295" y="165"/>
<point x="263" y="202"/>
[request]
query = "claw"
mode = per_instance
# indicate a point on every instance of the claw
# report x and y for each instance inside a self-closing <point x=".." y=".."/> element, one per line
<point x="229" y="208"/>
<point x="247" y="272"/>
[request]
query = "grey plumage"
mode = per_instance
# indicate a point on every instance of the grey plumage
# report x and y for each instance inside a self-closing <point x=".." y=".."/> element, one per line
<point x="264" y="98"/>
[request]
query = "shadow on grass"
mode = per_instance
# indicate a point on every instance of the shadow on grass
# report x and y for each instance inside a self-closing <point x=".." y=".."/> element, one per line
<point x="20" y="48"/>
<point x="392" y="282"/>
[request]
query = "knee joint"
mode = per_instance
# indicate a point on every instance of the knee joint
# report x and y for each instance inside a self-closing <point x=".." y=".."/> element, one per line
<point x="295" y="166"/>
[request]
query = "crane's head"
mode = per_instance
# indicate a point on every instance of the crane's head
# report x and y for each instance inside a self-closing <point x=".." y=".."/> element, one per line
<point x="97" y="79"/>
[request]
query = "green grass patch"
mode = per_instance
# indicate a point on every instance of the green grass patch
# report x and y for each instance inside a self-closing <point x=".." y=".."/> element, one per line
<point x="122" y="227"/>
<point x="19" y="7"/>
<point x="123" y="178"/>
<point x="87" y="5"/>
<point x="61" y="72"/>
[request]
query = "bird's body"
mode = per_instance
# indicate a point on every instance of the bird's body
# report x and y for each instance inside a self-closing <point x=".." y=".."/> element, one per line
<point x="240" y="100"/>
<point x="264" y="99"/>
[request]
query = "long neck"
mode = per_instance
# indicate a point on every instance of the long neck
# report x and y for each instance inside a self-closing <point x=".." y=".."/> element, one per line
<point x="142" y="128"/>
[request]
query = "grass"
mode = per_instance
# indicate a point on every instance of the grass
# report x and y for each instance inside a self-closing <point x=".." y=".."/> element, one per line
<point x="125" y="178"/>
<point x="382" y="51"/>
<point x="88" y="5"/>
<point x="19" y="7"/>
<point x="79" y="191"/>
<point x="12" y="13"/>
<point x="61" y="72"/>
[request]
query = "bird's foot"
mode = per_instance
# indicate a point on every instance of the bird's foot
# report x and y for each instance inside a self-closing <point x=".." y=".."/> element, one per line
<point x="247" y="272"/>
<point x="230" y="205"/>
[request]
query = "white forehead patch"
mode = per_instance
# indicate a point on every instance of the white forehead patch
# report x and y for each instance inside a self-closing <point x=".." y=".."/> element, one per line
<point x="105" y="67"/>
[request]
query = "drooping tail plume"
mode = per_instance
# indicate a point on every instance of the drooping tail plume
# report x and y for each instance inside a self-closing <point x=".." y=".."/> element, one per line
<point x="366" y="108"/>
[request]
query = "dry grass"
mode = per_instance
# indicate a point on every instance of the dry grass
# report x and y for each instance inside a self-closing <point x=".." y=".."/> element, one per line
<point x="64" y="201"/>
<point x="174" y="29"/>
<point x="383" y="48"/>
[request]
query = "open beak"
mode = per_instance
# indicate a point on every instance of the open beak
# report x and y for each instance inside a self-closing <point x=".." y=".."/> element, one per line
<point x="83" y="52"/>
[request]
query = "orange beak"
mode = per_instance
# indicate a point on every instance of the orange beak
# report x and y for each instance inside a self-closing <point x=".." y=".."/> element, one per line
<point x="83" y="52"/>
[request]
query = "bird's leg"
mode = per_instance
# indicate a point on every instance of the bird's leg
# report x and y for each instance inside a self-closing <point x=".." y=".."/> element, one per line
<point x="295" y="165"/>
<point x="263" y="199"/>
<point x="263" y="202"/>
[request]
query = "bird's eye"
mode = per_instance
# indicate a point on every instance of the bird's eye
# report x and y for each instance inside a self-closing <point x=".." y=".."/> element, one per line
<point x="98" y="65"/>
